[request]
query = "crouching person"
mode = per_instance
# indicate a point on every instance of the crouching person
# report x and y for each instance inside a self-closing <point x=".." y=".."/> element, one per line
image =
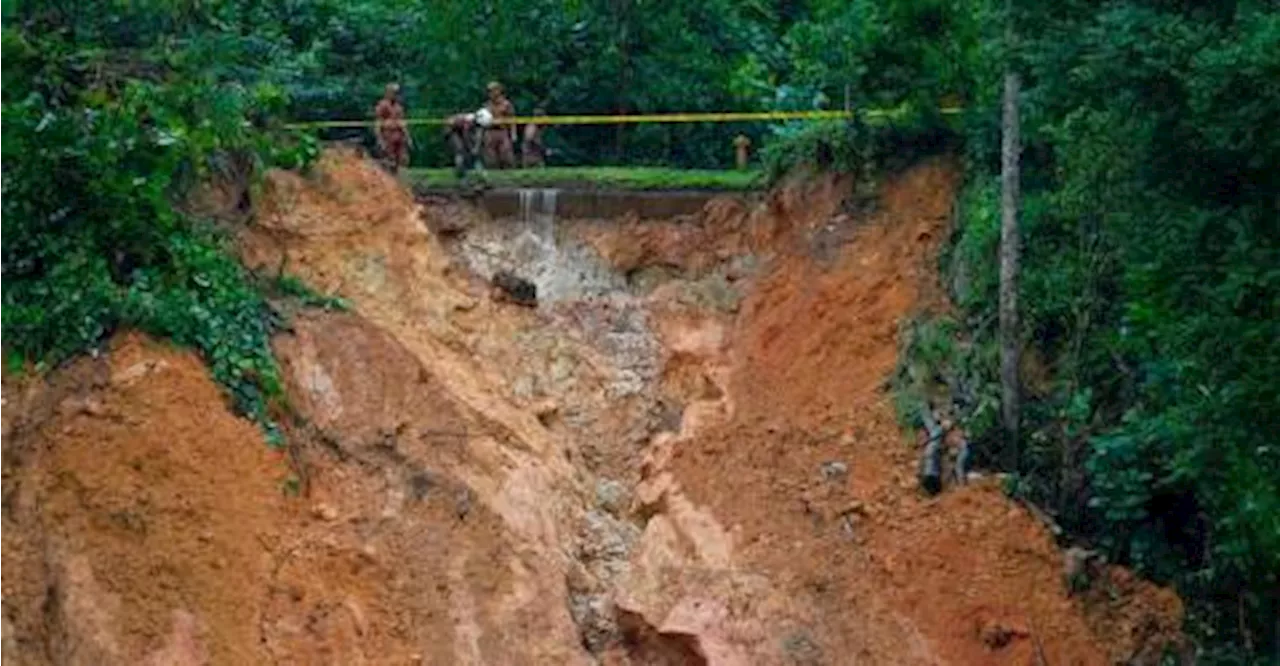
<point x="462" y="135"/>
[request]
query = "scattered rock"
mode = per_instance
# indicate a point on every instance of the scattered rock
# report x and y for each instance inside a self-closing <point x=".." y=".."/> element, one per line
<point x="855" y="510"/>
<point x="88" y="405"/>
<point x="136" y="371"/>
<point x="452" y="224"/>
<point x="847" y="527"/>
<point x="996" y="635"/>
<point x="357" y="616"/>
<point x="801" y="649"/>
<point x="462" y="503"/>
<point x="612" y="496"/>
<point x="595" y="616"/>
<point x="510" y="288"/>
<point x="546" y="411"/>
<point x="419" y="485"/>
<point x="607" y="538"/>
<point x="835" y="471"/>
<point x="324" y="511"/>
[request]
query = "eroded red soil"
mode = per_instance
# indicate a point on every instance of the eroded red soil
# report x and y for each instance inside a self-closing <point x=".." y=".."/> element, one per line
<point x="698" y="465"/>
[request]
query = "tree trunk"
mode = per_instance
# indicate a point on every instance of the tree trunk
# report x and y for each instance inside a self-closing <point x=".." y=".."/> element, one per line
<point x="1009" y="259"/>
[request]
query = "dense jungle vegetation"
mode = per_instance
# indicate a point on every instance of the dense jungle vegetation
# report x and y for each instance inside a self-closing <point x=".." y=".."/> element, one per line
<point x="1151" y="215"/>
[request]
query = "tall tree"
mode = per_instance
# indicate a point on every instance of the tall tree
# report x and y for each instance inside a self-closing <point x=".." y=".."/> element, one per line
<point x="1009" y="244"/>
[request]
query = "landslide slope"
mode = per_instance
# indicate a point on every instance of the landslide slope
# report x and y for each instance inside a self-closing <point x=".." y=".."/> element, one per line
<point x="683" y="454"/>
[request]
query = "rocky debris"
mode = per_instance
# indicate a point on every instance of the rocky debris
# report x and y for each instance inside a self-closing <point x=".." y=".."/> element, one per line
<point x="835" y="471"/>
<point x="612" y="496"/>
<point x="88" y="405"/>
<point x="547" y="410"/>
<point x="462" y="500"/>
<point x="647" y="644"/>
<point x="324" y="512"/>
<point x="510" y="288"/>
<point x="997" y="635"/>
<point x="604" y="547"/>
<point x="595" y="616"/>
<point x="801" y="650"/>
<point x="420" y="484"/>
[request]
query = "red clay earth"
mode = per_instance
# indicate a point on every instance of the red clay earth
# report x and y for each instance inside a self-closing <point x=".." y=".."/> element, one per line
<point x="430" y="510"/>
<point x="811" y="350"/>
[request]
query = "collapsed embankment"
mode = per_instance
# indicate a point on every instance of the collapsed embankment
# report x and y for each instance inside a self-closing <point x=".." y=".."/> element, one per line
<point x="682" y="454"/>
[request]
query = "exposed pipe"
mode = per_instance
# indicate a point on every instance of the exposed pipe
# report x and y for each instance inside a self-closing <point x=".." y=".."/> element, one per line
<point x="931" y="459"/>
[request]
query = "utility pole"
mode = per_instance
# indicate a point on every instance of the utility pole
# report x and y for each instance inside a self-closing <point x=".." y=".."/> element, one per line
<point x="1010" y="250"/>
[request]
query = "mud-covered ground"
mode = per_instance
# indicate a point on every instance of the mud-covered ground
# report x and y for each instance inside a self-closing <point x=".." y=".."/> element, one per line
<point x="683" y="454"/>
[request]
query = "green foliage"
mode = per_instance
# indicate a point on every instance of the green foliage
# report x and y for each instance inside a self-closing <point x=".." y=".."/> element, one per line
<point x="864" y="149"/>
<point x="291" y="287"/>
<point x="592" y="56"/>
<point x="201" y="297"/>
<point x="883" y="53"/>
<point x="942" y="363"/>
<point x="102" y="138"/>
<point x="1150" y="286"/>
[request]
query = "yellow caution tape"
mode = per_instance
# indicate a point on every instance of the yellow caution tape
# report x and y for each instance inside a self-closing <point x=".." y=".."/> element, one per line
<point x="649" y="118"/>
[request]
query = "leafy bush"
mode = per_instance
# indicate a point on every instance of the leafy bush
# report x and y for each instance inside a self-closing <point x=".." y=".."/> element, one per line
<point x="1150" y="286"/>
<point x="863" y="149"/>
<point x="1150" y="289"/>
<point x="99" y="147"/>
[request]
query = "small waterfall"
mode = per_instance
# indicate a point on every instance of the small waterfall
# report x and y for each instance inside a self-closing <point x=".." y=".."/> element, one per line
<point x="535" y="250"/>
<point x="529" y="245"/>
<point x="546" y="216"/>
<point x="538" y="213"/>
<point x="526" y="197"/>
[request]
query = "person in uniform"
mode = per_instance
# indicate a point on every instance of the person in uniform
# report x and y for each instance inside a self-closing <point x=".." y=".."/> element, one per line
<point x="392" y="133"/>
<point x="532" y="150"/>
<point x="462" y="135"/>
<point x="499" y="139"/>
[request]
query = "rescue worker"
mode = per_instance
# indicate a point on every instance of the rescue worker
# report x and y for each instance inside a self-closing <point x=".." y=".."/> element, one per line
<point x="392" y="133"/>
<point x="532" y="150"/>
<point x="462" y="133"/>
<point x="499" y="139"/>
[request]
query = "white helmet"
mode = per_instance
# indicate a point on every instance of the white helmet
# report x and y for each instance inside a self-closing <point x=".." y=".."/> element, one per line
<point x="484" y="118"/>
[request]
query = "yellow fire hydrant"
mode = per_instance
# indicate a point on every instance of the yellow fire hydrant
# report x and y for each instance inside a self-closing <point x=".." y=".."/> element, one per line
<point x="742" y="145"/>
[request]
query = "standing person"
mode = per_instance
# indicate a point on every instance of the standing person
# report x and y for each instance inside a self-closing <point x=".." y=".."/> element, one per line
<point x="499" y="139"/>
<point x="532" y="149"/>
<point x="392" y="133"/>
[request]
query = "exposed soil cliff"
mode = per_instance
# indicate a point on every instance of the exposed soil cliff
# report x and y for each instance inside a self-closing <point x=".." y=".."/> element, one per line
<point x="682" y="454"/>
